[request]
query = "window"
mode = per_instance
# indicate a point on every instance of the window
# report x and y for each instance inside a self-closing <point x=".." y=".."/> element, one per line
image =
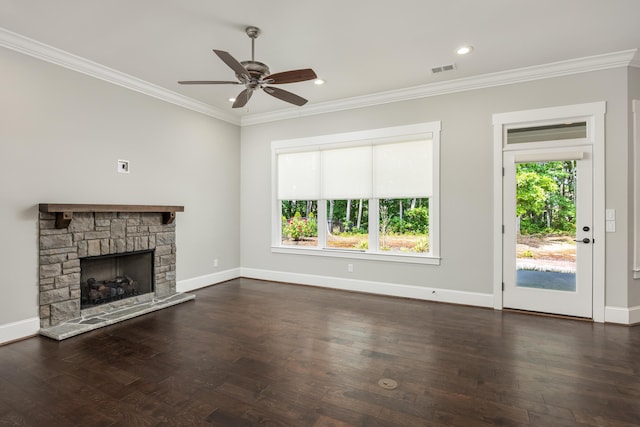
<point x="404" y="225"/>
<point x="553" y="132"/>
<point x="348" y="224"/>
<point x="299" y="223"/>
<point x="370" y="194"/>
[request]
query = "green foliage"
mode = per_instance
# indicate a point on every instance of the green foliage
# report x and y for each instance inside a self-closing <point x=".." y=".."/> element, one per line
<point x="359" y="231"/>
<point x="534" y="191"/>
<point x="397" y="225"/>
<point x="546" y="197"/>
<point x="298" y="228"/>
<point x="418" y="220"/>
<point x="411" y="218"/>
<point x="414" y="221"/>
<point x="422" y="245"/>
<point x="526" y="254"/>
<point x="311" y="227"/>
<point x="304" y="207"/>
<point x="339" y="221"/>
<point x="362" y="244"/>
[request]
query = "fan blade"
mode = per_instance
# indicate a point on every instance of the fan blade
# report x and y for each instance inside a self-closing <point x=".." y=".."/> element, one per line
<point x="285" y="95"/>
<point x="207" y="82"/>
<point x="243" y="98"/>
<point x="233" y="64"/>
<point x="292" y="76"/>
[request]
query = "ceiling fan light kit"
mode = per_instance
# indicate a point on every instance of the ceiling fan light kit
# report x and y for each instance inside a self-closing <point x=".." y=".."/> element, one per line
<point x="255" y="75"/>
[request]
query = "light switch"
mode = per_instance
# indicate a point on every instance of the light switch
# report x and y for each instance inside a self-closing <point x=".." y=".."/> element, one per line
<point x="610" y="214"/>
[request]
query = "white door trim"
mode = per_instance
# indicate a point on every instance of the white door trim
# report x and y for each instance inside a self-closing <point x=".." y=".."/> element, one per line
<point x="594" y="114"/>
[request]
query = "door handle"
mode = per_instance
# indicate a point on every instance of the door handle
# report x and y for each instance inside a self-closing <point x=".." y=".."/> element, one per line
<point x="585" y="240"/>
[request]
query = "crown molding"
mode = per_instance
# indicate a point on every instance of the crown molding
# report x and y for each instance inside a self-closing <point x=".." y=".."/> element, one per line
<point x="36" y="49"/>
<point x="42" y="51"/>
<point x="556" y="69"/>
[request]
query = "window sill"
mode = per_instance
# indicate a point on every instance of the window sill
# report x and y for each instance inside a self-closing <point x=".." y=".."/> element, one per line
<point x="355" y="254"/>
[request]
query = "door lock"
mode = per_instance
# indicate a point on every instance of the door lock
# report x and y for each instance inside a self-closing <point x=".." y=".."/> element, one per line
<point x="585" y="228"/>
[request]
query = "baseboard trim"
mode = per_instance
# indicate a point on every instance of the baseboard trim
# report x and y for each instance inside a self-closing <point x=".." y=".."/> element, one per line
<point x="634" y="315"/>
<point x="622" y="315"/>
<point x="371" y="287"/>
<point x="207" y="280"/>
<point x="19" y="330"/>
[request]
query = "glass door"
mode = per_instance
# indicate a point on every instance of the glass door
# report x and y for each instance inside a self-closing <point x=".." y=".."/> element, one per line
<point x="548" y="238"/>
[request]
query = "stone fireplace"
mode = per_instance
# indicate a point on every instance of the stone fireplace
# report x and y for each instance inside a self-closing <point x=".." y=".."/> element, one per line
<point x="100" y="264"/>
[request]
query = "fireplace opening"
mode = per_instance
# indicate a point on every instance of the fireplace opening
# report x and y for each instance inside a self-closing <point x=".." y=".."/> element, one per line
<point x="110" y="278"/>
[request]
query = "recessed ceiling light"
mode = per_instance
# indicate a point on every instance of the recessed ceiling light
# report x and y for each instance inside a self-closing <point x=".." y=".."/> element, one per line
<point x="463" y="50"/>
<point x="319" y="82"/>
<point x="232" y="100"/>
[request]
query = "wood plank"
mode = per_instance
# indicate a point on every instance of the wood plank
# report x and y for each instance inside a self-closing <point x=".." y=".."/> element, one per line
<point x="64" y="211"/>
<point x="69" y="207"/>
<point x="252" y="352"/>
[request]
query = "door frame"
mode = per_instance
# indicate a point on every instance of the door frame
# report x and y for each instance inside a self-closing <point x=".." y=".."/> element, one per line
<point x="594" y="115"/>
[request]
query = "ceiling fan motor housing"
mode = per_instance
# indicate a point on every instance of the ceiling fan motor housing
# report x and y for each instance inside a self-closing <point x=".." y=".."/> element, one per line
<point x="256" y="69"/>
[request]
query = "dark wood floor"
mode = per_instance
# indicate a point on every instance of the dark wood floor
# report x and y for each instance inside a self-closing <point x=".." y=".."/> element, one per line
<point x="250" y="353"/>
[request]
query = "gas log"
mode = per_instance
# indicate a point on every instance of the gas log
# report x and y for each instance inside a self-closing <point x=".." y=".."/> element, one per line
<point x="95" y="292"/>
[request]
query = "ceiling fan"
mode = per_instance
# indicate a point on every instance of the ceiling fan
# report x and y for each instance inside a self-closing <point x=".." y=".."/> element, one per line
<point x="255" y="75"/>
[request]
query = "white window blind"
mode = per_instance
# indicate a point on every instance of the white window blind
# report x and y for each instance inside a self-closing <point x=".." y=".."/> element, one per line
<point x="346" y="173"/>
<point x="403" y="170"/>
<point x="299" y="176"/>
<point x="384" y="171"/>
<point x="548" y="157"/>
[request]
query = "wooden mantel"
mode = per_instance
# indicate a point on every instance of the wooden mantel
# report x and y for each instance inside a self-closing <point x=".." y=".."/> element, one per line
<point x="64" y="212"/>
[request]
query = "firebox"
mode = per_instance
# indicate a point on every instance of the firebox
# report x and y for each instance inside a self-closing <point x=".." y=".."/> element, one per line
<point x="110" y="278"/>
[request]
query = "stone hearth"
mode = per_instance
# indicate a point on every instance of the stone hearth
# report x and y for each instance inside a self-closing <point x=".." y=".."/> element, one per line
<point x="90" y="234"/>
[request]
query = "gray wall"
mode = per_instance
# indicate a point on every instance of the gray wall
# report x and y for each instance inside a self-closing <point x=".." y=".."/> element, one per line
<point x="466" y="180"/>
<point x="61" y="134"/>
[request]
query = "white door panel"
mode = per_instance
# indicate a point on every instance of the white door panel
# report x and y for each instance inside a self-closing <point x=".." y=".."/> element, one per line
<point x="547" y="285"/>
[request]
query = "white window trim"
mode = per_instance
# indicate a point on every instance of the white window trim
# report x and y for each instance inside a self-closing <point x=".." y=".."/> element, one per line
<point x="372" y="136"/>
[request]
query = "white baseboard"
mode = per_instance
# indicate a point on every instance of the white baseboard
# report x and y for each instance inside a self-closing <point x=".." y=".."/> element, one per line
<point x="634" y="315"/>
<point x="207" y="280"/>
<point x="370" y="287"/>
<point x="622" y="315"/>
<point x="18" y="330"/>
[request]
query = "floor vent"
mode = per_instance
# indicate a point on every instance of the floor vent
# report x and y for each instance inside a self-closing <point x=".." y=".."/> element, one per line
<point x="388" y="384"/>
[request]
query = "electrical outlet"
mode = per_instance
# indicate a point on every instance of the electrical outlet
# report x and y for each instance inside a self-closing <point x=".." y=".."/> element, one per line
<point x="350" y="268"/>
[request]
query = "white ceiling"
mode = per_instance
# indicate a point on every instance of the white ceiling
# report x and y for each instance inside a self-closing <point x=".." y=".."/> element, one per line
<point x="360" y="47"/>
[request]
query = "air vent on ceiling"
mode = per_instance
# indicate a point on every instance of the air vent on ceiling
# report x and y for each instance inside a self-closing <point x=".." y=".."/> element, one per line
<point x="443" y="68"/>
